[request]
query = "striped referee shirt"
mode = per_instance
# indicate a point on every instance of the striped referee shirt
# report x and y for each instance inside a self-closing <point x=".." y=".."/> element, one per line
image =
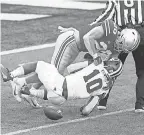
<point x="123" y="12"/>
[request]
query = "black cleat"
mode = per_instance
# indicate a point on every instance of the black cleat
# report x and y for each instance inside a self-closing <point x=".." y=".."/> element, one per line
<point x="25" y="90"/>
<point x="102" y="104"/>
<point x="139" y="109"/>
<point x="5" y="74"/>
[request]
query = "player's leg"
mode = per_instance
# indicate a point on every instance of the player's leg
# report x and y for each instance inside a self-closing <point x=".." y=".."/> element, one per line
<point x="29" y="79"/>
<point x="25" y="69"/>
<point x="22" y="69"/>
<point x="37" y="85"/>
<point x="66" y="51"/>
<point x="80" y="65"/>
<point x="77" y="67"/>
<point x="51" y="79"/>
<point x="18" y="83"/>
<point x="138" y="55"/>
<point x="32" y="101"/>
<point x="49" y="95"/>
<point x="45" y="73"/>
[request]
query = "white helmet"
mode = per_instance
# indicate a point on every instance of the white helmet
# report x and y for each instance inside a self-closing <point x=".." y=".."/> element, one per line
<point x="128" y="40"/>
<point x="114" y="67"/>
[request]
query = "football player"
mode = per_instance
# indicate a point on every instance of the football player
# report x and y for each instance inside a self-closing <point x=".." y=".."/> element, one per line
<point x="8" y="76"/>
<point x="103" y="40"/>
<point x="91" y="82"/>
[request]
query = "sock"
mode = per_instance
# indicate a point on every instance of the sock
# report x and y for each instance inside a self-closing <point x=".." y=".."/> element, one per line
<point x="17" y="72"/>
<point x="37" y="92"/>
<point x="20" y="81"/>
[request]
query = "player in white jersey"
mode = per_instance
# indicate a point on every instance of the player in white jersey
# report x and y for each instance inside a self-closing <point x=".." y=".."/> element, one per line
<point x="91" y="82"/>
<point x="88" y="82"/>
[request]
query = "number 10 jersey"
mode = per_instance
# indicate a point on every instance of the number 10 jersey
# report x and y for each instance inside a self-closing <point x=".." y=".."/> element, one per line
<point x="90" y="81"/>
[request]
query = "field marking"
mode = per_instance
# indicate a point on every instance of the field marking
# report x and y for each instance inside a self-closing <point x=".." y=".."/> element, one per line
<point x="21" y="17"/>
<point x="32" y="48"/>
<point x="68" y="4"/>
<point x="68" y="122"/>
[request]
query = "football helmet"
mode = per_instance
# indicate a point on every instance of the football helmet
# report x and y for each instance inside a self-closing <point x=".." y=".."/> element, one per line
<point x="128" y="40"/>
<point x="114" y="67"/>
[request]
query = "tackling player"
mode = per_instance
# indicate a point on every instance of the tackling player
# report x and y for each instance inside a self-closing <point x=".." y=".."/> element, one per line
<point x="103" y="40"/>
<point x="91" y="82"/>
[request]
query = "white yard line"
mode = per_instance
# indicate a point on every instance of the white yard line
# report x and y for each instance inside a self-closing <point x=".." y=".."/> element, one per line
<point x="20" y="17"/>
<point x="57" y="4"/>
<point x="27" y="49"/>
<point x="68" y="122"/>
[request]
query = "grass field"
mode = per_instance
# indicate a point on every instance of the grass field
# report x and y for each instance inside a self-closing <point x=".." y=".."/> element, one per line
<point x="20" y="118"/>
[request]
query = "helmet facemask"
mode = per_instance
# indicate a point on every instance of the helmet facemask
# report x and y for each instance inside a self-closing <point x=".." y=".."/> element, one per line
<point x="114" y="67"/>
<point x="127" y="41"/>
<point x="119" y="44"/>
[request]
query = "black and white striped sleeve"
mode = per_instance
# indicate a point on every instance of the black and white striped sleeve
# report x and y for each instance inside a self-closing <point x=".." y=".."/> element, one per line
<point x="108" y="12"/>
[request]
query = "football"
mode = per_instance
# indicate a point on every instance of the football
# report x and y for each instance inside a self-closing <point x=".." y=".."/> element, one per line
<point x="52" y="113"/>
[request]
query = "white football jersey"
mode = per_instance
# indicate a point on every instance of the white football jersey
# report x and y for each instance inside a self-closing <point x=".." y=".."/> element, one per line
<point x="90" y="81"/>
<point x="49" y="76"/>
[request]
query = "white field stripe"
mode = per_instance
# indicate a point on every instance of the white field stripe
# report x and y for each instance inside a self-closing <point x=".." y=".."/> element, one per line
<point x="20" y="17"/>
<point x="57" y="4"/>
<point x="67" y="122"/>
<point x="27" y="49"/>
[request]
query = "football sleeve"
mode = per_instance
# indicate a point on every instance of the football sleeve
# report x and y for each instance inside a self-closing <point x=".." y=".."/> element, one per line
<point x="107" y="12"/>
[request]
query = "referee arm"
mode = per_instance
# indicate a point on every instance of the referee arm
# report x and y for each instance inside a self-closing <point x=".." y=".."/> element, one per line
<point x="108" y="12"/>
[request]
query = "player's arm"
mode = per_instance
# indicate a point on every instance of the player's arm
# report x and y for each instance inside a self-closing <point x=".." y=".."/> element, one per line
<point x="107" y="13"/>
<point x="80" y="65"/>
<point x="94" y="100"/>
<point x="90" y="40"/>
<point x="87" y="109"/>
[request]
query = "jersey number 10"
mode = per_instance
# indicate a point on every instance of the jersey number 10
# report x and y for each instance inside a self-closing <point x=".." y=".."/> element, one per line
<point x="90" y="85"/>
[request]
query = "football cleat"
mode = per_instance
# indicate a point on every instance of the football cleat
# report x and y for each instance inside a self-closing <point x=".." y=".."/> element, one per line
<point x="87" y="56"/>
<point x="139" y="109"/>
<point x="31" y="100"/>
<point x="5" y="73"/>
<point x="16" y="91"/>
<point x="25" y="90"/>
<point x="101" y="107"/>
<point x="102" y="104"/>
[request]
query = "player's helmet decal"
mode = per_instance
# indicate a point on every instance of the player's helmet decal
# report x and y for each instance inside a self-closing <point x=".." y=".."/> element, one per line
<point x="128" y="40"/>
